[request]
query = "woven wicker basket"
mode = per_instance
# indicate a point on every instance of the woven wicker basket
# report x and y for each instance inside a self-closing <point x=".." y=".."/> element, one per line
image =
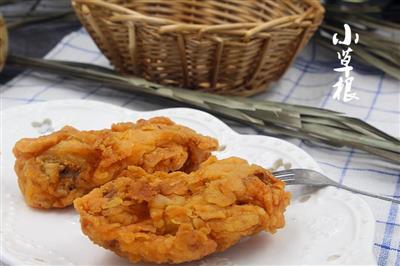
<point x="3" y="42"/>
<point x="222" y="46"/>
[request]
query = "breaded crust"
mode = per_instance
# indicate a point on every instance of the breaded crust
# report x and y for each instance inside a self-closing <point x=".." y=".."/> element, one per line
<point x="179" y="217"/>
<point x="55" y="169"/>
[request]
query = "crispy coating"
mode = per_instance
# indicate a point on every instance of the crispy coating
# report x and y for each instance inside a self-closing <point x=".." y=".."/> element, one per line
<point x="179" y="217"/>
<point x="54" y="170"/>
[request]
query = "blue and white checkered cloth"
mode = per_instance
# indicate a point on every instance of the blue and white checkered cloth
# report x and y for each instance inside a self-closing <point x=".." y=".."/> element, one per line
<point x="309" y="82"/>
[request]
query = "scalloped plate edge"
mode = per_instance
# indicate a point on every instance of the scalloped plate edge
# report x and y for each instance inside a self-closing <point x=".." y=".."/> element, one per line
<point x="183" y="112"/>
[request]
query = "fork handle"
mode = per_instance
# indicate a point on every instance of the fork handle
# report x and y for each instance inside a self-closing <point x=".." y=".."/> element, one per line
<point x="366" y="193"/>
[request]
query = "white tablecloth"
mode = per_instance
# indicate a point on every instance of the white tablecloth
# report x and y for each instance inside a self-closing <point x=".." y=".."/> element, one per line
<point x="309" y="81"/>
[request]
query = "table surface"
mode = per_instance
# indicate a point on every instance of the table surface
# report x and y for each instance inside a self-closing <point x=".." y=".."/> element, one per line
<point x="308" y="81"/>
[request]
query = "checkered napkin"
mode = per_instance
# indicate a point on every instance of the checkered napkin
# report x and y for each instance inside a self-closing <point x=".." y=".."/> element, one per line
<point x="309" y="82"/>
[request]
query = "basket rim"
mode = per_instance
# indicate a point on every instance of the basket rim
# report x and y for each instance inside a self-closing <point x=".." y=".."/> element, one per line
<point x="167" y="25"/>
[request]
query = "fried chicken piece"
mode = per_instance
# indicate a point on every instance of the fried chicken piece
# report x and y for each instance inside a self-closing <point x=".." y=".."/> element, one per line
<point x="178" y="217"/>
<point x="54" y="170"/>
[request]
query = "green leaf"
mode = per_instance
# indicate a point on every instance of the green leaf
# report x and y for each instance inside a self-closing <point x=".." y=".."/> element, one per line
<point x="282" y="119"/>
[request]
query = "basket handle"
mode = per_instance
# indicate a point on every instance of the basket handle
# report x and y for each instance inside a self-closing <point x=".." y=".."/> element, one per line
<point x="270" y="24"/>
<point x="135" y="18"/>
<point x="109" y="6"/>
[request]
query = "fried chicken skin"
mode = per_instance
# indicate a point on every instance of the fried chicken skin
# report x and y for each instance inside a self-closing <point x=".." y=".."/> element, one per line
<point x="178" y="217"/>
<point x="54" y="170"/>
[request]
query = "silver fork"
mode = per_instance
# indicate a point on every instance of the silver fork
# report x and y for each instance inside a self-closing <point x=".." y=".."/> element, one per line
<point x="313" y="178"/>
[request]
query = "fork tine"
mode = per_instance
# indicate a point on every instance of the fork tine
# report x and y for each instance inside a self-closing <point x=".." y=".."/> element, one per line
<point x="286" y="179"/>
<point x="290" y="182"/>
<point x="283" y="174"/>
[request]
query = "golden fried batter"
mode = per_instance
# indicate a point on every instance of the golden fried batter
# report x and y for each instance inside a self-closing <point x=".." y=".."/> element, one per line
<point x="179" y="217"/>
<point x="54" y="170"/>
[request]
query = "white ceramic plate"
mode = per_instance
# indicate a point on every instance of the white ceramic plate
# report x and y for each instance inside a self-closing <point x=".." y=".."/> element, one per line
<point x="327" y="226"/>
